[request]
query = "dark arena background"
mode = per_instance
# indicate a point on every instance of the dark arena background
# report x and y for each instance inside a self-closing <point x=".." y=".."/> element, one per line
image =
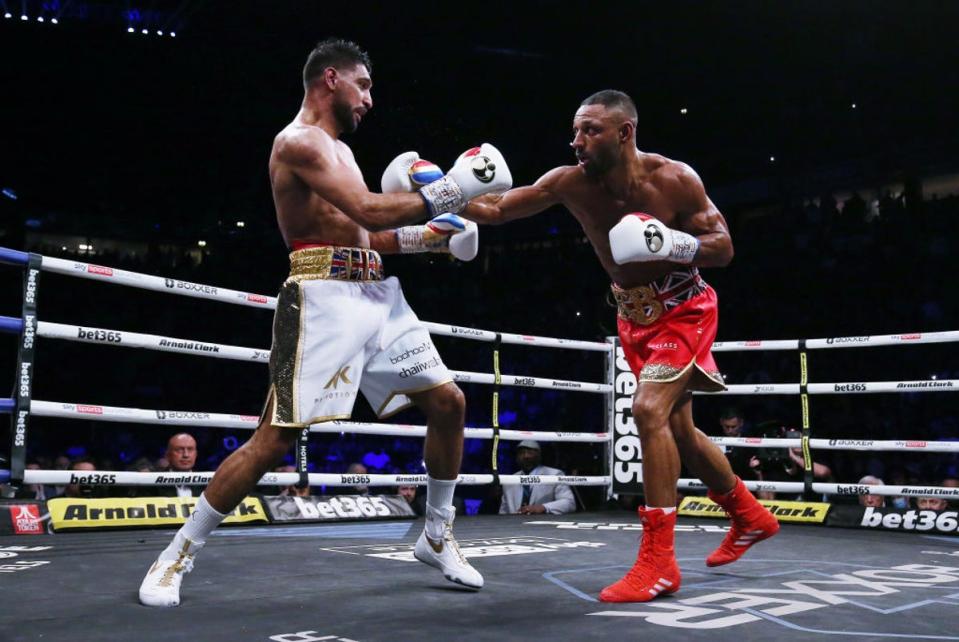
<point x="135" y="141"/>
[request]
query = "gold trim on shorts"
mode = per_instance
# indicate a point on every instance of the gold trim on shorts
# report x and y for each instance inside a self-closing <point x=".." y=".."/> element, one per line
<point x="412" y="391"/>
<point x="664" y="373"/>
<point x="336" y="263"/>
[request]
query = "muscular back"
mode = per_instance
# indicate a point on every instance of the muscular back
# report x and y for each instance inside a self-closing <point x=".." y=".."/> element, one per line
<point x="302" y="214"/>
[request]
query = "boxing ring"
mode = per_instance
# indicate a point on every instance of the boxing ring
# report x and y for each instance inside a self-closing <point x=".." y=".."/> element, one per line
<point x="357" y="580"/>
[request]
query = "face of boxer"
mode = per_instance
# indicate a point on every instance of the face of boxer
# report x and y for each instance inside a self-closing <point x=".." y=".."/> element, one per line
<point x="598" y="136"/>
<point x="351" y="97"/>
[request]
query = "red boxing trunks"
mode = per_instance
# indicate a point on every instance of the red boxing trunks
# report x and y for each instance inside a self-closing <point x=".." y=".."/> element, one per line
<point x="668" y="327"/>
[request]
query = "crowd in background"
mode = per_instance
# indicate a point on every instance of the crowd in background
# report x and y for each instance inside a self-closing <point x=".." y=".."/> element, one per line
<point x="813" y="267"/>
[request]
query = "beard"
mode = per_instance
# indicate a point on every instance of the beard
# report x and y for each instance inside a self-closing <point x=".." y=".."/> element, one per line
<point x="600" y="162"/>
<point x="343" y="114"/>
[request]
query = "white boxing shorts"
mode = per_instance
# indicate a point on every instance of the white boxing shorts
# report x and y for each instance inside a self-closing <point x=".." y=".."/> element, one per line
<point x="340" y="329"/>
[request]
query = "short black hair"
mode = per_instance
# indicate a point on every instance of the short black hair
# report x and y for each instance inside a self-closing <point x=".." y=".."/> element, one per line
<point x="731" y="412"/>
<point x="337" y="53"/>
<point x="614" y="99"/>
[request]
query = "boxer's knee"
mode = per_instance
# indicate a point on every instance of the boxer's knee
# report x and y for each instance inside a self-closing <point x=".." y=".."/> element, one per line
<point x="651" y="416"/>
<point x="445" y="405"/>
<point x="271" y="443"/>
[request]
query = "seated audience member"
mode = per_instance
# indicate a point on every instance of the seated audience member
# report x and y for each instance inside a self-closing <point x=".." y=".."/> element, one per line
<point x="528" y="499"/>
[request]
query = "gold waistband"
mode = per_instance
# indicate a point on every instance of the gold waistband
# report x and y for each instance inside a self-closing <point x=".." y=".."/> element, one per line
<point x="337" y="263"/>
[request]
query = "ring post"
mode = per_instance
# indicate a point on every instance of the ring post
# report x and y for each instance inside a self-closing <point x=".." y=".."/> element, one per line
<point x="806" y="431"/>
<point x="25" y="366"/>
<point x="497" y="380"/>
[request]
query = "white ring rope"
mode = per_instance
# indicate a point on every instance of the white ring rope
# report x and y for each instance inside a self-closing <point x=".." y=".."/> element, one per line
<point x="213" y="293"/>
<point x="839" y="489"/>
<point x="124" y="478"/>
<point x="866" y="445"/>
<point x="840" y="388"/>
<point x="199" y="290"/>
<point x="178" y="418"/>
<point x="909" y="338"/>
<point x="126" y="339"/>
<point x="249" y="422"/>
<point x="123" y="338"/>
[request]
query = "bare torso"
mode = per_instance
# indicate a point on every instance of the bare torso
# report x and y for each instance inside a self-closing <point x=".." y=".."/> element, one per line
<point x="302" y="214"/>
<point x="652" y="191"/>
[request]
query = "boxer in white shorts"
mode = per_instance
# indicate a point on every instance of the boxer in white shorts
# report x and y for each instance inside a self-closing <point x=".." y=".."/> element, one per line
<point x="335" y="338"/>
<point x="340" y="327"/>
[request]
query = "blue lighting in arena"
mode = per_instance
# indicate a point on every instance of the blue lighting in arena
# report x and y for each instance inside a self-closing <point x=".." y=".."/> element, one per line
<point x="33" y="223"/>
<point x="9" y="193"/>
<point x="74" y="452"/>
<point x="507" y="417"/>
<point x="230" y="443"/>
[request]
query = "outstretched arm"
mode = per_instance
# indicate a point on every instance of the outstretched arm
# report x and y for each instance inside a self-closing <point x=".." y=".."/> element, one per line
<point x="517" y="203"/>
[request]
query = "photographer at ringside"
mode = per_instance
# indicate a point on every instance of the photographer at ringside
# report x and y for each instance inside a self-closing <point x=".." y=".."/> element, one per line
<point x="783" y="464"/>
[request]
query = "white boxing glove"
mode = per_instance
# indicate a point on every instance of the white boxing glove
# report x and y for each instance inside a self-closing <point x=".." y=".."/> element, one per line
<point x="480" y="170"/>
<point x="445" y="233"/>
<point x="640" y="237"/>
<point x="407" y="173"/>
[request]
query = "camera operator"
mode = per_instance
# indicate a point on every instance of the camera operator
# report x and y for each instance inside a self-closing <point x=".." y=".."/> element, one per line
<point x="783" y="464"/>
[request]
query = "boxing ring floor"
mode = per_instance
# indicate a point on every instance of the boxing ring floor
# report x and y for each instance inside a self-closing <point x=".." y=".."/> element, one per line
<point x="353" y="582"/>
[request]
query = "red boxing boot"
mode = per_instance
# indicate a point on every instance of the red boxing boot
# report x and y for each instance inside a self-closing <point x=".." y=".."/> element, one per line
<point x="655" y="571"/>
<point x="752" y="523"/>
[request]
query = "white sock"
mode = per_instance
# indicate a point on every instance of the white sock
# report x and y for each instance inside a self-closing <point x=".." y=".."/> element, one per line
<point x="666" y="510"/>
<point x="192" y="535"/>
<point x="439" y="492"/>
<point x="439" y="505"/>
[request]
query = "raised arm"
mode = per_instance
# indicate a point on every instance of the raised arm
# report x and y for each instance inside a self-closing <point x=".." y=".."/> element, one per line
<point x="517" y="203"/>
<point x="312" y="157"/>
<point x="701" y="218"/>
<point x="700" y="236"/>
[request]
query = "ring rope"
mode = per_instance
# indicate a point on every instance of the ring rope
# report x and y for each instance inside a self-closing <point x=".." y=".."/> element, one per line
<point x="198" y="290"/>
<point x="838" y="489"/>
<point x="125" y="339"/>
<point x="93" y="412"/>
<point x="126" y="478"/>
<point x="249" y="422"/>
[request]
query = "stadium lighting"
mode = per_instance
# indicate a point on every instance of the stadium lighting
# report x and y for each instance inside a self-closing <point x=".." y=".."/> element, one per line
<point x="54" y="21"/>
<point x="129" y="29"/>
<point x="240" y="224"/>
<point x="8" y="15"/>
<point x="684" y="111"/>
<point x="201" y="243"/>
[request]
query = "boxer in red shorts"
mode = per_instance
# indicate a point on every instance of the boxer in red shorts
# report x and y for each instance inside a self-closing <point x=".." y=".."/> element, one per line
<point x="652" y="227"/>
